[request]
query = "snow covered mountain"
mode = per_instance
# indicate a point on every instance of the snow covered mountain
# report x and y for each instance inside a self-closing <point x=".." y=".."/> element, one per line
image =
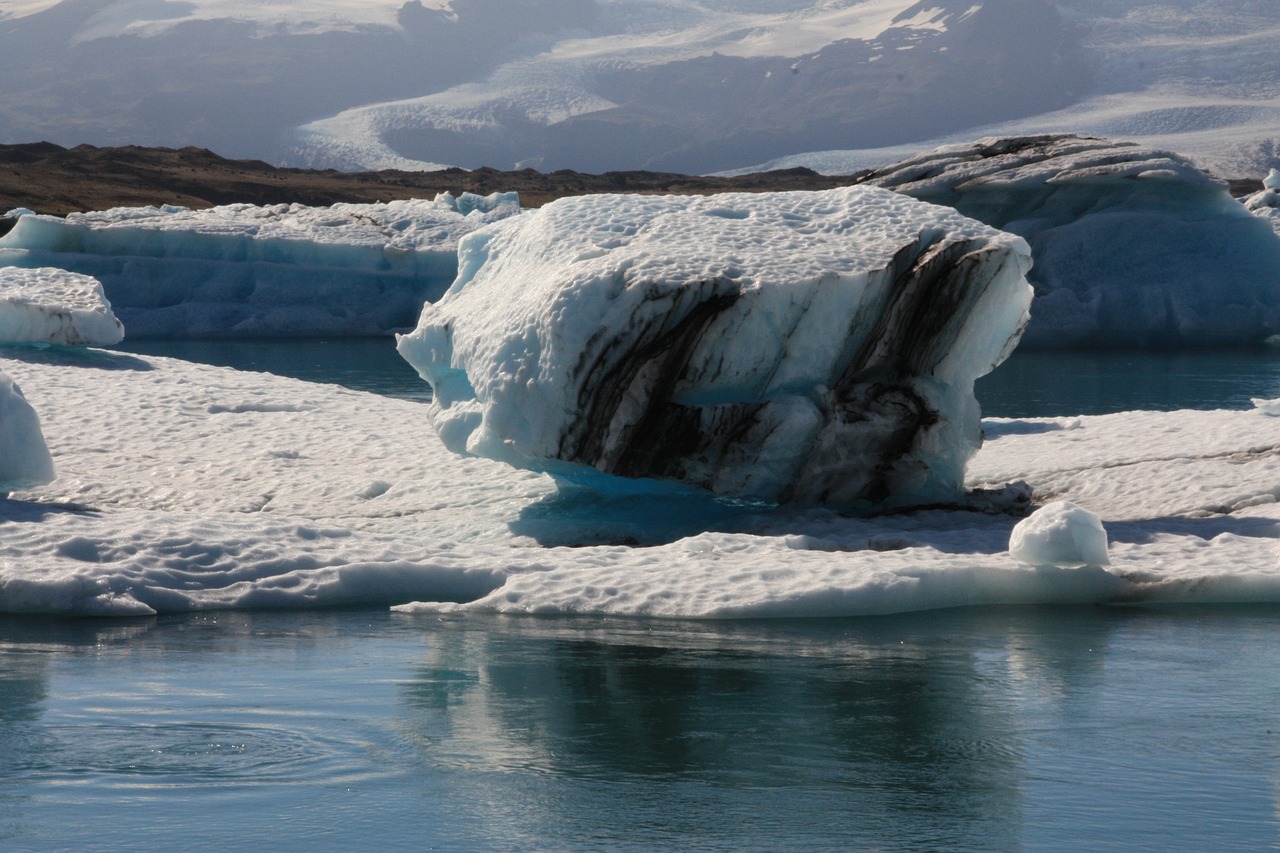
<point x="681" y="85"/>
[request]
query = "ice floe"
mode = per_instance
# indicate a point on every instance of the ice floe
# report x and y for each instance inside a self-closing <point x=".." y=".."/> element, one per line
<point x="184" y="486"/>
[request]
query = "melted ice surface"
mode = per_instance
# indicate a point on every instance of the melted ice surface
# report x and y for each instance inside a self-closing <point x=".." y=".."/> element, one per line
<point x="183" y="486"/>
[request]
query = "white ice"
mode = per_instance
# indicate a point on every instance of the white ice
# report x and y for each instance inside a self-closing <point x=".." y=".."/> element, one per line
<point x="1060" y="534"/>
<point x="24" y="457"/>
<point x="773" y="346"/>
<point x="184" y="486"/>
<point x="54" y="306"/>
<point x="245" y="270"/>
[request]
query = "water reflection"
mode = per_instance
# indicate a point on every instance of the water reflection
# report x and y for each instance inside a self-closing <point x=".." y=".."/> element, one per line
<point x="1094" y="382"/>
<point x="903" y="732"/>
<point x="993" y="729"/>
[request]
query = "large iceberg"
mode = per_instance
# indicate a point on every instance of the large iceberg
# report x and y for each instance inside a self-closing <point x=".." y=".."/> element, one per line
<point x="54" y="306"/>
<point x="246" y="270"/>
<point x="815" y="348"/>
<point x="1133" y="246"/>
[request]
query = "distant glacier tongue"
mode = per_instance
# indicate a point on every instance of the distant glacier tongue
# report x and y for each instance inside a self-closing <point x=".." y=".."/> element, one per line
<point x="815" y="348"/>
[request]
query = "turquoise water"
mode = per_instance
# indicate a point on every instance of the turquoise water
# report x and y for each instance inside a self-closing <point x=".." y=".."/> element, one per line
<point x="981" y="729"/>
<point x="1029" y="384"/>
<point x="998" y="729"/>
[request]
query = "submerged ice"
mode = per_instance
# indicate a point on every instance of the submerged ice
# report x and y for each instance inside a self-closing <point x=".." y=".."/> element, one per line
<point x="815" y="348"/>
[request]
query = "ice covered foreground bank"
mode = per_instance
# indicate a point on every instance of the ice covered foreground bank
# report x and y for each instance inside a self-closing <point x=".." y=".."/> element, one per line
<point x="184" y="486"/>
<point x="1133" y="246"/>
<point x="246" y="270"/>
<point x="815" y="348"/>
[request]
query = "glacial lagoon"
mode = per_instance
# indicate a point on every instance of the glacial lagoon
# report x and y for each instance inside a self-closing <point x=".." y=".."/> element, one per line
<point x="977" y="729"/>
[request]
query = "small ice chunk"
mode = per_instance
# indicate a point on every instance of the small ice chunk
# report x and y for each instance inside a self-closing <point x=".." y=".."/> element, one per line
<point x="1267" y="407"/>
<point x="1272" y="181"/>
<point x="53" y="306"/>
<point x="1060" y="534"/>
<point x="24" y="457"/>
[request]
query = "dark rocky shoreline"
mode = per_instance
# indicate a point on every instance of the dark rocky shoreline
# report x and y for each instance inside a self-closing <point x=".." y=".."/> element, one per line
<point x="48" y="178"/>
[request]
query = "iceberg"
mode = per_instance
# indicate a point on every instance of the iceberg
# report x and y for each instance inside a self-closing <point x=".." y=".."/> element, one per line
<point x="810" y="348"/>
<point x="54" y="306"/>
<point x="25" y="461"/>
<point x="1133" y="246"/>
<point x="243" y="270"/>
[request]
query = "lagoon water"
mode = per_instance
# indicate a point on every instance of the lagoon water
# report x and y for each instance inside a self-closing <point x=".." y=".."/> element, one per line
<point x="996" y="729"/>
<point x="1029" y="384"/>
<point x="1027" y="728"/>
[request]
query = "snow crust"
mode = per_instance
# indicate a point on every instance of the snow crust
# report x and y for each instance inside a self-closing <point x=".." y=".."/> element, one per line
<point x="24" y="457"/>
<point x="55" y="307"/>
<point x="809" y="347"/>
<point x="185" y="487"/>
<point x="245" y="270"/>
<point x="1060" y="534"/>
<point x="1133" y="246"/>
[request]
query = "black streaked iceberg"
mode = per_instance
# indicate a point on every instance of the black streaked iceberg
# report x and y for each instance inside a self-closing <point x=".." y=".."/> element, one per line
<point x="815" y="348"/>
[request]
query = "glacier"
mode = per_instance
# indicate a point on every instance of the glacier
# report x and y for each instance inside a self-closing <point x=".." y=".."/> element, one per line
<point x="807" y="347"/>
<point x="1133" y="246"/>
<point x="245" y="270"/>
<point x="53" y="306"/>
